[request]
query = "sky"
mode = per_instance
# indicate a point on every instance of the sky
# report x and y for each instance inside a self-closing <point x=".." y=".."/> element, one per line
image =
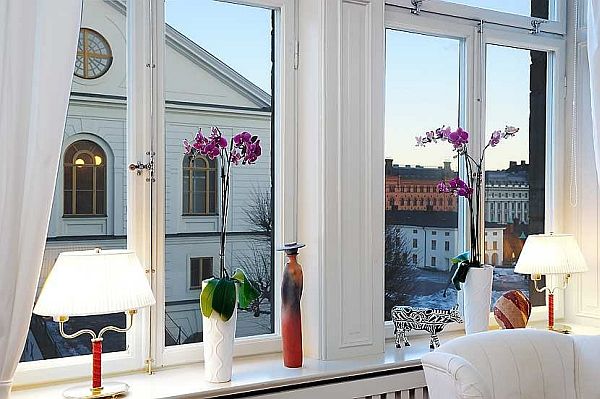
<point x="238" y="35"/>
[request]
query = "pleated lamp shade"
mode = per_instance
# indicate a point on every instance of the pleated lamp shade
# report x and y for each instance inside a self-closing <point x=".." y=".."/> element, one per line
<point x="551" y="254"/>
<point x="94" y="282"/>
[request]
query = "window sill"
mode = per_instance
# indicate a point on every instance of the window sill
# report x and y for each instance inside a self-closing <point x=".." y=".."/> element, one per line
<point x="253" y="374"/>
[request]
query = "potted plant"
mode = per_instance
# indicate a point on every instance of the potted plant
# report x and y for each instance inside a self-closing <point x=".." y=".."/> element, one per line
<point x="476" y="277"/>
<point x="221" y="295"/>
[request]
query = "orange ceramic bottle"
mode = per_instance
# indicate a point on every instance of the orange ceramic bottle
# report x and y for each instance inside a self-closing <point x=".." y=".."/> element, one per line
<point x="291" y="319"/>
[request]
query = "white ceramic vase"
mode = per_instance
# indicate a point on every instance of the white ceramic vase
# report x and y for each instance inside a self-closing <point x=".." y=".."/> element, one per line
<point x="477" y="297"/>
<point x="218" y="337"/>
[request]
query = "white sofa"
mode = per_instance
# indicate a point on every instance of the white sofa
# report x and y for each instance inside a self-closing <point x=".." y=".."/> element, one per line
<point x="512" y="364"/>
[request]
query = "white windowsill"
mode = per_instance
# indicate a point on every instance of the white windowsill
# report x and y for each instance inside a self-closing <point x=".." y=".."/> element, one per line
<point x="250" y="374"/>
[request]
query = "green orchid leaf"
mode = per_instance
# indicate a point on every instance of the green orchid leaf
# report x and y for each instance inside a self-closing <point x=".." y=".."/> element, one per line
<point x="224" y="298"/>
<point x="206" y="297"/>
<point x="464" y="257"/>
<point x="247" y="292"/>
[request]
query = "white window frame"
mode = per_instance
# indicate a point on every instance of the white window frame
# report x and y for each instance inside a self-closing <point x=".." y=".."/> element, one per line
<point x="285" y="184"/>
<point x="452" y="21"/>
<point x="145" y="113"/>
<point x="557" y="22"/>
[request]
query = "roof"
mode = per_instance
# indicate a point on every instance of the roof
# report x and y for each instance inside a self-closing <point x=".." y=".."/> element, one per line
<point x="438" y="219"/>
<point x="515" y="174"/>
<point x="418" y="172"/>
<point x="188" y="48"/>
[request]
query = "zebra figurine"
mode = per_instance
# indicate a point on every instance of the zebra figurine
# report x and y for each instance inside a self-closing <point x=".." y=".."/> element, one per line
<point x="433" y="321"/>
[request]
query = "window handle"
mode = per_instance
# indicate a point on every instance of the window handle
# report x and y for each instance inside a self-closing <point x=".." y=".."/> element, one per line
<point x="139" y="167"/>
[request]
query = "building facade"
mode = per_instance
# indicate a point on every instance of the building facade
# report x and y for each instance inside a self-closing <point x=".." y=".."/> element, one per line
<point x="507" y="194"/>
<point x="414" y="188"/>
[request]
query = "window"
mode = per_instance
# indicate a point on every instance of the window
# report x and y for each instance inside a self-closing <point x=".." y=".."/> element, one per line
<point x="521" y="160"/>
<point x="199" y="186"/>
<point x="506" y="63"/>
<point x="408" y="55"/>
<point x="227" y="80"/>
<point x="84" y="179"/>
<point x="414" y="259"/>
<point x="433" y="261"/>
<point x="90" y="204"/>
<point x="434" y="233"/>
<point x="533" y="8"/>
<point x="447" y="245"/>
<point x="200" y="269"/>
<point x="94" y="56"/>
<point x="447" y="233"/>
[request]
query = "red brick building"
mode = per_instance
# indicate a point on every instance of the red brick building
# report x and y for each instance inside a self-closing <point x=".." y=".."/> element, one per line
<point x="414" y="188"/>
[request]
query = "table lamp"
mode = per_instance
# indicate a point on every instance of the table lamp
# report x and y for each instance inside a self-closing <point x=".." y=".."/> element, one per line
<point x="548" y="254"/>
<point x="95" y="282"/>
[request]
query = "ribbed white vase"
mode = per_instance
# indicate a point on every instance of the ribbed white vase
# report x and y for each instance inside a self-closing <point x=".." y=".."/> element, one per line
<point x="218" y="336"/>
<point x="477" y="291"/>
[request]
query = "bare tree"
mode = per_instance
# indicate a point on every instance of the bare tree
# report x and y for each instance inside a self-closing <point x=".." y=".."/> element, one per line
<point x="258" y="262"/>
<point x="400" y="273"/>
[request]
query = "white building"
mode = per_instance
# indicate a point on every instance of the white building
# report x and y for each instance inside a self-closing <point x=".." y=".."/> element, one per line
<point x="431" y="238"/>
<point x="89" y="208"/>
<point x="507" y="194"/>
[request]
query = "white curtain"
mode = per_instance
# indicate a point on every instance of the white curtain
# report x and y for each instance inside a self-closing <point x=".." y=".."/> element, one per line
<point x="38" y="44"/>
<point x="593" y="46"/>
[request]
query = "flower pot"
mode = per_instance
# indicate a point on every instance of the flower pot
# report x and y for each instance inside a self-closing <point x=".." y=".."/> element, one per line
<point x="477" y="297"/>
<point x="218" y="339"/>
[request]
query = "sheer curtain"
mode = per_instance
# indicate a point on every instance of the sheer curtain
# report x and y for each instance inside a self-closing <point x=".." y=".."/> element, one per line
<point x="593" y="46"/>
<point x="38" y="44"/>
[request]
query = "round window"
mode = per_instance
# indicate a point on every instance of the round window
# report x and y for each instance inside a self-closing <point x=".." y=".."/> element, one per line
<point x="94" y="55"/>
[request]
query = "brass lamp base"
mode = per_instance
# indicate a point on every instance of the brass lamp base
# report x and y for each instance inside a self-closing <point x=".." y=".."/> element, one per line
<point x="562" y="328"/>
<point x="109" y="390"/>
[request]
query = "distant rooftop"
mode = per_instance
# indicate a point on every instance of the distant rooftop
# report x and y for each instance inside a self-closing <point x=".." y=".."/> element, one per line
<point x="515" y="174"/>
<point x="439" y="219"/>
<point x="418" y="172"/>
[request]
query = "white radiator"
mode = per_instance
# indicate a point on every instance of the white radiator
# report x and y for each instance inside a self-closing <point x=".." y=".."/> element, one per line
<point x="382" y="385"/>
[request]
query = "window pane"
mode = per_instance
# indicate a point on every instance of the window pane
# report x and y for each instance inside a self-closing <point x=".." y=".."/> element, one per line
<point x="530" y="8"/>
<point x="93" y="124"/>
<point x="416" y="268"/>
<point x="235" y="96"/>
<point x="515" y="168"/>
<point x="84" y="177"/>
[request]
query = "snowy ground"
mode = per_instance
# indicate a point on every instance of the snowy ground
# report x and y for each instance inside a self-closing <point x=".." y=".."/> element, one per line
<point x="430" y="285"/>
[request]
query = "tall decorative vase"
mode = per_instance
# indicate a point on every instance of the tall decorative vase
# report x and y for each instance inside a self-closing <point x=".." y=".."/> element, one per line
<point x="218" y="339"/>
<point x="291" y="319"/>
<point x="477" y="297"/>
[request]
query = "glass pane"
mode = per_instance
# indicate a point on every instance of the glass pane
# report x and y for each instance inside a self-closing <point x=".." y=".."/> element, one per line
<point x="530" y="8"/>
<point x="235" y="96"/>
<point x="515" y="168"/>
<point x="417" y="269"/>
<point x="84" y="177"/>
<point x="101" y="123"/>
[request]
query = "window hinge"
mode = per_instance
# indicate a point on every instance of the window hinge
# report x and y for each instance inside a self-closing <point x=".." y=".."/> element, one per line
<point x="536" y="24"/>
<point x="139" y="167"/>
<point x="417" y="4"/>
<point x="296" y="54"/>
<point x="149" y="362"/>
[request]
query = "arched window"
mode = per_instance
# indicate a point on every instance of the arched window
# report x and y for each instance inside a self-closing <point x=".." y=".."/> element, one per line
<point x="199" y="186"/>
<point x="84" y="179"/>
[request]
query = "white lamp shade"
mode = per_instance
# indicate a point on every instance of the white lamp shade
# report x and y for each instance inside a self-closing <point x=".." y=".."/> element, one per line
<point x="551" y="254"/>
<point x="94" y="282"/>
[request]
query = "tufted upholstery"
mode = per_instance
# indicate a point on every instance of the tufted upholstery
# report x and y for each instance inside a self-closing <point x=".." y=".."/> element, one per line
<point x="511" y="364"/>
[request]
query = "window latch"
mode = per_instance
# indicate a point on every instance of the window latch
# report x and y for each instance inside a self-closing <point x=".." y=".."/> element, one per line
<point x="536" y="24"/>
<point x="417" y="4"/>
<point x="139" y="167"/>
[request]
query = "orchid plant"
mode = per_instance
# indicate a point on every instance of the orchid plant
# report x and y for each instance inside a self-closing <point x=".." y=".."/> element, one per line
<point x="469" y="189"/>
<point x="243" y="149"/>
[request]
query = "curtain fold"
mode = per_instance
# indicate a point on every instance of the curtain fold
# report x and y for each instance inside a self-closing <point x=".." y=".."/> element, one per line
<point x="593" y="48"/>
<point x="38" y="44"/>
